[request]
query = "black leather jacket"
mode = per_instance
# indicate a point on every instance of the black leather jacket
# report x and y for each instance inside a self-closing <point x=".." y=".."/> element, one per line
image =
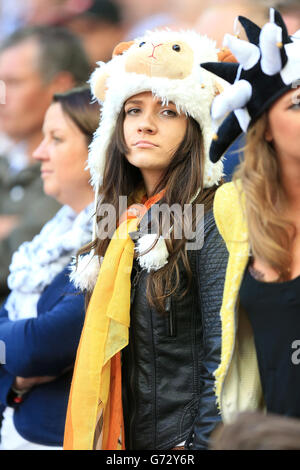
<point x="168" y="365"/>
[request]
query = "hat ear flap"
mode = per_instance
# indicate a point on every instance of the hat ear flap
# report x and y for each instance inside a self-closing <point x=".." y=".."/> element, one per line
<point x="122" y="47"/>
<point x="100" y="75"/>
<point x="98" y="83"/>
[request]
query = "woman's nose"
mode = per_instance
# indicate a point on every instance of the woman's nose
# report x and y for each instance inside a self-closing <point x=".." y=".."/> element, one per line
<point x="147" y="125"/>
<point x="40" y="153"/>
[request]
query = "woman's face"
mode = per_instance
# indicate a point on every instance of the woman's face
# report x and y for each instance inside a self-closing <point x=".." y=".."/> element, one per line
<point x="152" y="132"/>
<point x="284" y="126"/>
<point x="63" y="154"/>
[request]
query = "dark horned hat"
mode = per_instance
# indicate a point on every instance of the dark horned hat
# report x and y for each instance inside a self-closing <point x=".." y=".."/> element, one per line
<point x="269" y="65"/>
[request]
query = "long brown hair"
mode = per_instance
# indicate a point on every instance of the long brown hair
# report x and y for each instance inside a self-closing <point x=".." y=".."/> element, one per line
<point x="181" y="183"/>
<point x="270" y="233"/>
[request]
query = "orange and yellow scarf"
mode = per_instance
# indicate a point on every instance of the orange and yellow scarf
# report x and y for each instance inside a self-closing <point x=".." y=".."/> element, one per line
<point x="95" y="415"/>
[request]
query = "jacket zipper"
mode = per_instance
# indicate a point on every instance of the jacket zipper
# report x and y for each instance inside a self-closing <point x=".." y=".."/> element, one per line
<point x="171" y="317"/>
<point x="132" y="397"/>
<point x="134" y="285"/>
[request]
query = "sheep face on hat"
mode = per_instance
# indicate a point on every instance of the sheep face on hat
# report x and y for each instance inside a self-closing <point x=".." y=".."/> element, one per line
<point x="167" y="59"/>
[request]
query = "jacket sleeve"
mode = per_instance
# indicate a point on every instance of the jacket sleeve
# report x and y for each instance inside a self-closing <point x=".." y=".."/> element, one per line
<point x="45" y="345"/>
<point x="211" y="263"/>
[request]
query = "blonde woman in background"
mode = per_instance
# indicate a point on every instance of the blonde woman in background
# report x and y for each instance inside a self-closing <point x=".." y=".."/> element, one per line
<point x="259" y="218"/>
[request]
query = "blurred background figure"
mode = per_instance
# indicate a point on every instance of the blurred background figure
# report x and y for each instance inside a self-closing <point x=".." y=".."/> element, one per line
<point x="41" y="321"/>
<point x="35" y="63"/>
<point x="186" y="13"/>
<point x="140" y="16"/>
<point x="290" y="10"/>
<point x="100" y="28"/>
<point x="218" y="18"/>
<point x="98" y="23"/>
<point x="54" y="12"/>
<point x="256" y="431"/>
<point x="11" y="16"/>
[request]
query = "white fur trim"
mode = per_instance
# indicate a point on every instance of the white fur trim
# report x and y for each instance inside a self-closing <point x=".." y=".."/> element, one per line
<point x="155" y="258"/>
<point x="85" y="274"/>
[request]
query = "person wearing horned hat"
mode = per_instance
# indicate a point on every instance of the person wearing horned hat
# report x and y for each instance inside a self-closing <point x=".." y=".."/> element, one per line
<point x="258" y="215"/>
<point x="151" y="340"/>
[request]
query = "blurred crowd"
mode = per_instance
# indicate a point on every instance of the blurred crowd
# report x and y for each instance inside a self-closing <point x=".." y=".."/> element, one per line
<point x="52" y="46"/>
<point x="101" y="24"/>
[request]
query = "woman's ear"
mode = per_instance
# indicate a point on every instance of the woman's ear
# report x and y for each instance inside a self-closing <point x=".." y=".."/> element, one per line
<point x="268" y="132"/>
<point x="122" y="47"/>
<point x="268" y="135"/>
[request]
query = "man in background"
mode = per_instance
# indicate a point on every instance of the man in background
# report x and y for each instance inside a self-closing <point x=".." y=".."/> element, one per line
<point x="100" y="27"/>
<point x="35" y="63"/>
<point x="290" y="10"/>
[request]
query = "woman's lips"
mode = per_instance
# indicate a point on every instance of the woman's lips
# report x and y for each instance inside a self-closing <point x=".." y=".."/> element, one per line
<point x="144" y="144"/>
<point x="46" y="172"/>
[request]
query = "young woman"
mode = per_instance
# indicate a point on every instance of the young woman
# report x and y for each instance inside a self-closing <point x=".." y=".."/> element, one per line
<point x="259" y="218"/>
<point x="41" y="321"/>
<point x="154" y="311"/>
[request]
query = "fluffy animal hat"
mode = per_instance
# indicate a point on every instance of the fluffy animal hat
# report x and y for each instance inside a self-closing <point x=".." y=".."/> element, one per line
<point x="166" y="63"/>
<point x="269" y="67"/>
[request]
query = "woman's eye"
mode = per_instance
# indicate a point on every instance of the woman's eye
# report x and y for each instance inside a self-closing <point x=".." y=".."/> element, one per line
<point x="295" y="106"/>
<point x="132" y="111"/>
<point x="169" y="112"/>
<point x="56" y="139"/>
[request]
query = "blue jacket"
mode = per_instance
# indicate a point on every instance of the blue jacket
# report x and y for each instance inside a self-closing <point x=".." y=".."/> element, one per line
<point x="45" y="345"/>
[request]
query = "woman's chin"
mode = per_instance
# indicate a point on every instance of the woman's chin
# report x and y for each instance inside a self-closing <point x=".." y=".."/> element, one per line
<point x="50" y="191"/>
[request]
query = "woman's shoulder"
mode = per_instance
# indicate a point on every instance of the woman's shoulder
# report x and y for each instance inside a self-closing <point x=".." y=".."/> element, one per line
<point x="228" y="193"/>
<point x="60" y="288"/>
<point x="227" y="206"/>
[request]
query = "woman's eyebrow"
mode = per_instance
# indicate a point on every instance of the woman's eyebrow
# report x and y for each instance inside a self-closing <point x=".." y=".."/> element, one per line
<point x="133" y="102"/>
<point x="165" y="103"/>
<point x="160" y="103"/>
